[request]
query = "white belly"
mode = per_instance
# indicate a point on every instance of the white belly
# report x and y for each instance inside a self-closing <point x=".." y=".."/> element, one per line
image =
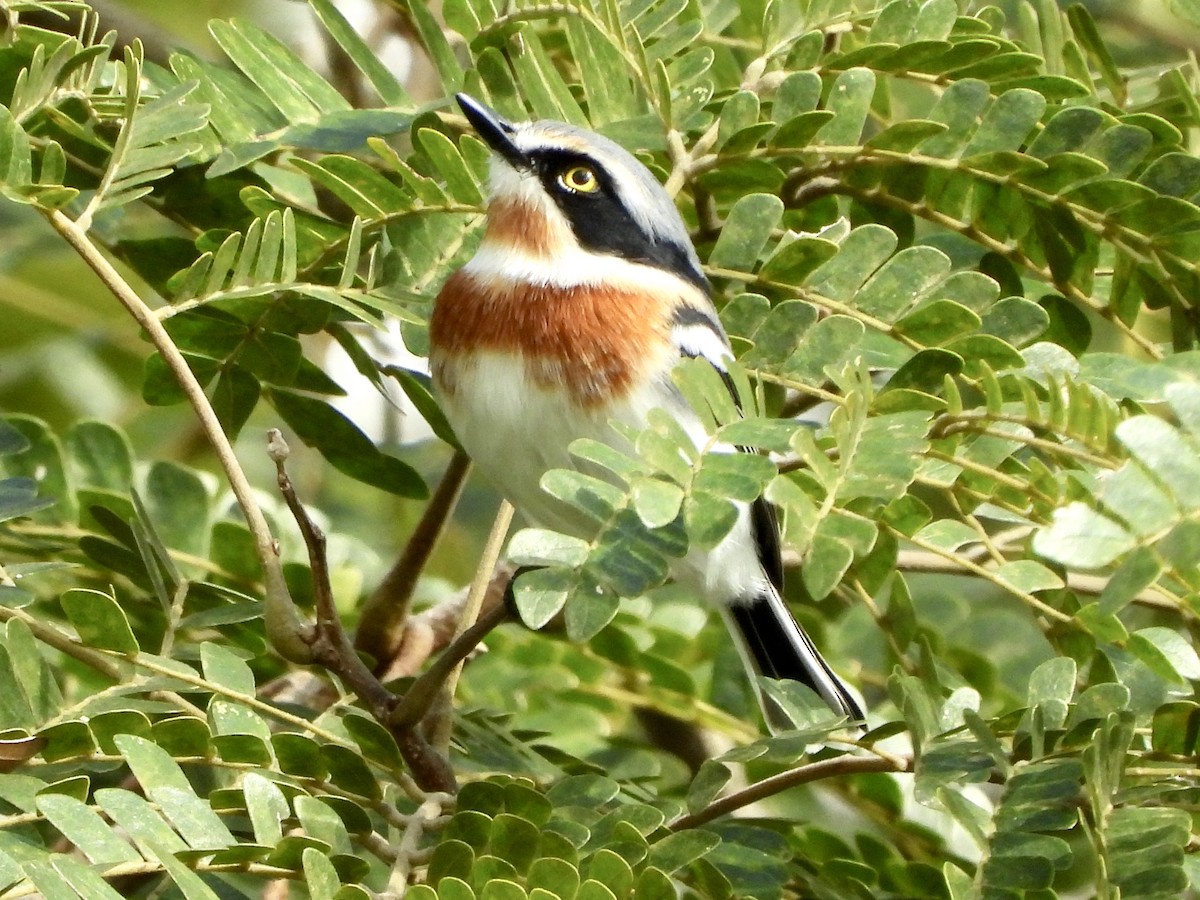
<point x="515" y="430"/>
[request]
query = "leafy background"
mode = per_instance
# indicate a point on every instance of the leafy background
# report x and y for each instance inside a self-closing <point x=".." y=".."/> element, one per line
<point x="955" y="245"/>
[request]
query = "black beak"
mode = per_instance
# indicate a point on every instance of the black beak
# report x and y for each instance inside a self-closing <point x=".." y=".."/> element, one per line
<point x="495" y="130"/>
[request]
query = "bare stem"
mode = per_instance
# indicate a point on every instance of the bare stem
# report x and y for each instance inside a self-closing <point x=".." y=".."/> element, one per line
<point x="383" y="618"/>
<point x="441" y="730"/>
<point x="424" y="691"/>
<point x="332" y="648"/>
<point x="826" y="768"/>
<point x="288" y="633"/>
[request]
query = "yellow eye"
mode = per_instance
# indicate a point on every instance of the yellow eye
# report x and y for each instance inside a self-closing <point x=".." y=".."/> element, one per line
<point x="580" y="179"/>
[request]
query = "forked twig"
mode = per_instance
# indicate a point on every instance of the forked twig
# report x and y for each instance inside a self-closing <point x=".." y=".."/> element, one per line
<point x="332" y="649"/>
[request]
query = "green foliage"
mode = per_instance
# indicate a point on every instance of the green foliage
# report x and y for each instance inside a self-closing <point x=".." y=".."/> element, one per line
<point x="955" y="248"/>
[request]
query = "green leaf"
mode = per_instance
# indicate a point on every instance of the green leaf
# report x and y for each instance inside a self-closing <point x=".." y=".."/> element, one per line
<point x="183" y="736"/>
<point x="938" y="321"/>
<point x="656" y="501"/>
<point x="376" y="742"/>
<point x="460" y="182"/>
<point x="67" y="740"/>
<point x="1175" y="728"/>
<point x="349" y="771"/>
<point x="1028" y="575"/>
<point x="514" y="839"/>
<point x="291" y="86"/>
<point x="863" y="251"/>
<point x="850" y="101"/>
<point x="224" y="668"/>
<point x="234" y="398"/>
<point x="320" y="876"/>
<point x="539" y="547"/>
<point x="417" y="390"/>
<point x="541" y="594"/>
<point x="451" y="860"/>
<point x="83" y="827"/>
<point x="1082" y="538"/>
<point x="594" y="890"/>
<point x="825" y="348"/>
<point x="39" y="476"/>
<point x="165" y="784"/>
<point x="556" y="877"/>
<point x="1051" y="687"/>
<point x="1166" y="453"/>
<point x="826" y="562"/>
<point x="681" y="849"/>
<point x="389" y="88"/>
<point x="544" y="87"/>
<point x="746" y="232"/>
<point x="901" y="281"/>
<point x="299" y="755"/>
<point x="1139" y="570"/>
<point x="84" y="880"/>
<point x="99" y="620"/>
<point x="150" y="142"/>
<point x="1009" y="119"/>
<point x="100" y="455"/>
<point x="139" y="819"/>
<point x="736" y="476"/>
<point x="1168" y="653"/>
<point x="597" y="499"/>
<point x="350" y="451"/>
<point x="610" y="96"/>
<point x="177" y="503"/>
<point x="589" y="612"/>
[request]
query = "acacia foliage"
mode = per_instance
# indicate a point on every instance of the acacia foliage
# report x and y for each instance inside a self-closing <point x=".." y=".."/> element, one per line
<point x="969" y="234"/>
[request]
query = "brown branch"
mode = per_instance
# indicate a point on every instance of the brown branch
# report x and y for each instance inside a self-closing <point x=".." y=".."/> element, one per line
<point x="433" y="629"/>
<point x="332" y="649"/>
<point x="417" y="701"/>
<point x="384" y="617"/>
<point x="826" y="768"/>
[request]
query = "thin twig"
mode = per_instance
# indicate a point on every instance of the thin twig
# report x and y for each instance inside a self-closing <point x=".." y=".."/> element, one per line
<point x="958" y="564"/>
<point x="332" y="648"/>
<point x="826" y="768"/>
<point x="288" y="633"/>
<point x="106" y="663"/>
<point x="433" y="629"/>
<point x="441" y="729"/>
<point x="418" y="699"/>
<point x="988" y="575"/>
<point x="410" y="842"/>
<point x="329" y="629"/>
<point x="384" y="616"/>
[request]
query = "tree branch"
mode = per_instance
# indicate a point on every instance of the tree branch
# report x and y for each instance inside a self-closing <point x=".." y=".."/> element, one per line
<point x="826" y="768"/>
<point x="440" y="730"/>
<point x="420" y="697"/>
<point x="331" y="647"/>
<point x="382" y="622"/>
<point x="433" y="629"/>
<point x="288" y="633"/>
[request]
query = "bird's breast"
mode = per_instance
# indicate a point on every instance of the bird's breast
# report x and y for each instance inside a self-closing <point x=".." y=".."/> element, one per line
<point x="592" y="343"/>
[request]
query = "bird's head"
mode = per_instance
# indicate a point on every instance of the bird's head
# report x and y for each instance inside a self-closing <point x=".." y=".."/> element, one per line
<point x="561" y="194"/>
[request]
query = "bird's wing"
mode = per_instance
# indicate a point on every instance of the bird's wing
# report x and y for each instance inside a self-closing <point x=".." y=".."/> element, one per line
<point x="698" y="334"/>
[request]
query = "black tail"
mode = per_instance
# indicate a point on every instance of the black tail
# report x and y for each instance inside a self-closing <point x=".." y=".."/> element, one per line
<point x="779" y="648"/>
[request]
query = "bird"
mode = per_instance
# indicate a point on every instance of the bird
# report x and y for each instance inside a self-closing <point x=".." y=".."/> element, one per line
<point x="583" y="295"/>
